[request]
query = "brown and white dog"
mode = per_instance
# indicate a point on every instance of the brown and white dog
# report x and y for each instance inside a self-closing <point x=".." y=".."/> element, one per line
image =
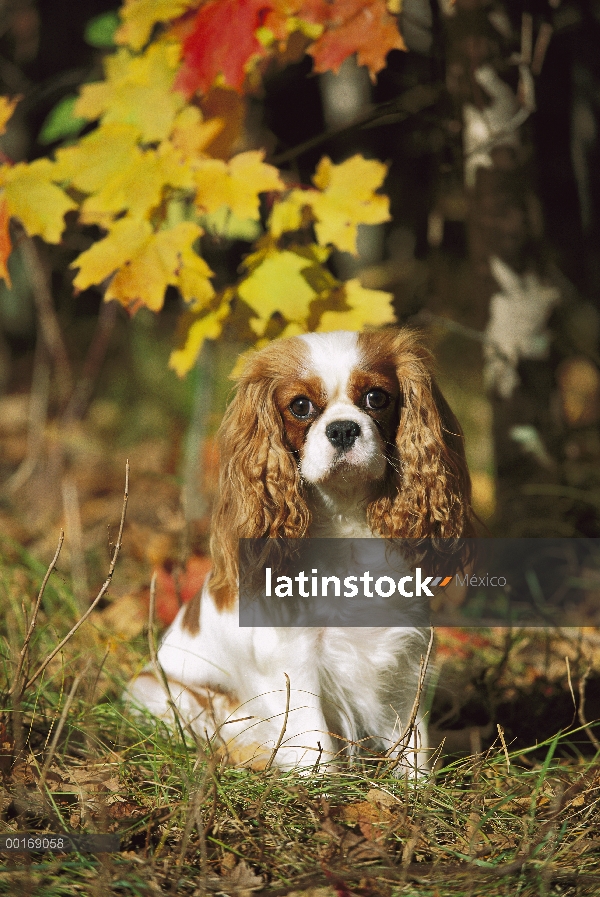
<point x="329" y="435"/>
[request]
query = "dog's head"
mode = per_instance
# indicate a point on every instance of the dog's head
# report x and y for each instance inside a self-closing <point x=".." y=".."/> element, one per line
<point x="344" y="413"/>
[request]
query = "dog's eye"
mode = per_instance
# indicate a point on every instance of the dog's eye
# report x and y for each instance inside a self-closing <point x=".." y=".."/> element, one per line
<point x="301" y="407"/>
<point x="376" y="399"/>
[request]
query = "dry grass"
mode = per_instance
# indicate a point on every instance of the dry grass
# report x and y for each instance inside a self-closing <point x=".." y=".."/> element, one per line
<point x="494" y="823"/>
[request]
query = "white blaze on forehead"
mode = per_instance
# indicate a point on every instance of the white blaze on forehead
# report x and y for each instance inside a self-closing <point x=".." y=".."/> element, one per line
<point x="332" y="358"/>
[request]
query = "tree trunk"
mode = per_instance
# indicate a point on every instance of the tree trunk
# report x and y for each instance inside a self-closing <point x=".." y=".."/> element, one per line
<point x="540" y="343"/>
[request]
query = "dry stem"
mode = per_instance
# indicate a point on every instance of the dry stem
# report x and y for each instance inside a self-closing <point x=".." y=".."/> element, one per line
<point x="100" y="594"/>
<point x="285" y="721"/>
<point x="405" y="738"/>
<point x="25" y="649"/>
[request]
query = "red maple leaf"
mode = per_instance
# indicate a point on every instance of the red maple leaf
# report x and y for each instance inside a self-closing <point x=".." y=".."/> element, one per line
<point x="222" y="42"/>
<point x="364" y="27"/>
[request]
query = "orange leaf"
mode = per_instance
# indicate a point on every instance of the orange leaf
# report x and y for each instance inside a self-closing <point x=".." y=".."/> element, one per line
<point x="196" y="571"/>
<point x="222" y="44"/>
<point x="365" y="28"/>
<point x="5" y="244"/>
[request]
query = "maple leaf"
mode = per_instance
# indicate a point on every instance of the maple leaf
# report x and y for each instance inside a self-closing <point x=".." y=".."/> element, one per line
<point x="348" y="199"/>
<point x="140" y="16"/>
<point x="208" y="326"/>
<point x="5" y="244"/>
<point x="235" y="184"/>
<point x="103" y="258"/>
<point x="7" y="107"/>
<point x="138" y="187"/>
<point x="222" y="44"/>
<point x="145" y="263"/>
<point x="192" y="134"/>
<point x="277" y="285"/>
<point x="364" y="27"/>
<point x="137" y="90"/>
<point x="367" y="308"/>
<point x="287" y="213"/>
<point x="97" y="157"/>
<point x="344" y="199"/>
<point x="33" y="198"/>
<point x="109" y="165"/>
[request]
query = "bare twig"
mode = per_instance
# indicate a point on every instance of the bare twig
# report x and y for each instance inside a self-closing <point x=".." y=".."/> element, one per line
<point x="581" y="711"/>
<point x="412" y="102"/>
<point x="285" y="721"/>
<point x="405" y="738"/>
<point x="25" y="649"/>
<point x="504" y="748"/>
<point x="570" y="682"/>
<point x="100" y="594"/>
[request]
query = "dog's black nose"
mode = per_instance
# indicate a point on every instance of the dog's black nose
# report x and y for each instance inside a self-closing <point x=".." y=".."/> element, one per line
<point x="342" y="434"/>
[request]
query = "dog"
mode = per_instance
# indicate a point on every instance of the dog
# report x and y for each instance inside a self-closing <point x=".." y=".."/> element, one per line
<point x="329" y="435"/>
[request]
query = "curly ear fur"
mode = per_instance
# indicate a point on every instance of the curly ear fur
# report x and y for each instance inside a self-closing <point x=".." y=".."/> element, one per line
<point x="259" y="484"/>
<point x="430" y="494"/>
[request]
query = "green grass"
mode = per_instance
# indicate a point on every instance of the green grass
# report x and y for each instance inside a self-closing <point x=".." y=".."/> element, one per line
<point x="527" y="823"/>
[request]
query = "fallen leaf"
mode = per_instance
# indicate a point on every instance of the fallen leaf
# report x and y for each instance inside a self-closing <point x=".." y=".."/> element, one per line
<point x="241" y="879"/>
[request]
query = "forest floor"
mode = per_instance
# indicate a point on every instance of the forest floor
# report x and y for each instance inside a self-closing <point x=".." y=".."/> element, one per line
<point x="513" y="803"/>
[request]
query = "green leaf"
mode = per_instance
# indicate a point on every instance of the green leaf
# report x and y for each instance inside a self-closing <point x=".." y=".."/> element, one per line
<point x="100" y="31"/>
<point x="61" y="122"/>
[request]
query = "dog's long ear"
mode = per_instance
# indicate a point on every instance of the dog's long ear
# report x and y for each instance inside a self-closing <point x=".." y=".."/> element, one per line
<point x="429" y="496"/>
<point x="259" y="483"/>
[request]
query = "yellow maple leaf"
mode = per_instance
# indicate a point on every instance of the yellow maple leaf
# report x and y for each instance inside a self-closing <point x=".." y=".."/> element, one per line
<point x="235" y="184"/>
<point x="192" y="134"/>
<point x="98" y="157"/>
<point x="140" y="16"/>
<point x="207" y="327"/>
<point x="138" y="187"/>
<point x="277" y="285"/>
<point x="347" y="198"/>
<point x="32" y="196"/>
<point x="137" y="90"/>
<point x="7" y="107"/>
<point x="287" y="213"/>
<point x="103" y="258"/>
<point x="369" y="308"/>
<point x="109" y="165"/>
<point x="146" y="263"/>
